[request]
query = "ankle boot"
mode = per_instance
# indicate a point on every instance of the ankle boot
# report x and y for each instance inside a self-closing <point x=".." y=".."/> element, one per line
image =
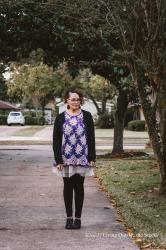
<point x="77" y="224"/>
<point x="69" y="223"/>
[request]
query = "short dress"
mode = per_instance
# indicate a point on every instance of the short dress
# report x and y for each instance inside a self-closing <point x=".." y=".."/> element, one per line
<point x="74" y="148"/>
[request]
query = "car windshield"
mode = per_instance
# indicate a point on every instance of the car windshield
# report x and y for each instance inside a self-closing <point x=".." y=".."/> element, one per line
<point x="15" y="114"/>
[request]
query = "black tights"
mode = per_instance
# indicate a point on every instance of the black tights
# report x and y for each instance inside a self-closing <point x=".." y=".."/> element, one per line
<point x="76" y="183"/>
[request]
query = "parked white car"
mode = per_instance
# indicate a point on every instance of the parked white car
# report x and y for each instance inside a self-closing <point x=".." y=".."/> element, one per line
<point x="15" y="117"/>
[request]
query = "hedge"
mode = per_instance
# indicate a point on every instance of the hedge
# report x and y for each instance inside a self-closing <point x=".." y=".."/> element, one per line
<point x="29" y="120"/>
<point x="136" y="125"/>
<point x="3" y="119"/>
<point x="105" y="120"/>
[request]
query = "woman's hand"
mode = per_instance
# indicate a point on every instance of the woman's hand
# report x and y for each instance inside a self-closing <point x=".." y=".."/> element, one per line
<point x="60" y="167"/>
<point x="92" y="164"/>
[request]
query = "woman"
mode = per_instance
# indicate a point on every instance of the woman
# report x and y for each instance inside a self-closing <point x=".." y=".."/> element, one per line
<point x="74" y="153"/>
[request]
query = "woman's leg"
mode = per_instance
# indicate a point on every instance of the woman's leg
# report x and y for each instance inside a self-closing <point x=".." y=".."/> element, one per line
<point x="78" y="183"/>
<point x="68" y="195"/>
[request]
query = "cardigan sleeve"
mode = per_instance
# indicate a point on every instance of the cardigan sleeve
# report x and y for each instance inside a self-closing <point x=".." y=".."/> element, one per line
<point x="91" y="140"/>
<point x="57" y="141"/>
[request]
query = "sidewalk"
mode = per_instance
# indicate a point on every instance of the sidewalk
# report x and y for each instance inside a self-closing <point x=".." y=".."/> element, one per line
<point x="32" y="209"/>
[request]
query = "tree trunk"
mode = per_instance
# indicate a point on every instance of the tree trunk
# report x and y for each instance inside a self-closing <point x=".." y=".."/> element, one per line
<point x="99" y="110"/>
<point x="119" y="122"/>
<point x="43" y="104"/>
<point x="158" y="140"/>
<point x="104" y="101"/>
<point x="162" y="114"/>
<point x="104" y="104"/>
<point x="43" y="114"/>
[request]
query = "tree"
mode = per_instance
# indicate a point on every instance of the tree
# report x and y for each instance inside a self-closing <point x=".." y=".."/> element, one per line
<point x="31" y="82"/>
<point x="38" y="83"/>
<point x="140" y="25"/>
<point x="59" y="27"/>
<point x="74" y="30"/>
<point x="3" y="86"/>
<point x="96" y="88"/>
<point x="119" y="76"/>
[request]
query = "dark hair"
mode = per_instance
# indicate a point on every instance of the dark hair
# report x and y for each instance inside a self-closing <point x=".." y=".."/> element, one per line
<point x="68" y="92"/>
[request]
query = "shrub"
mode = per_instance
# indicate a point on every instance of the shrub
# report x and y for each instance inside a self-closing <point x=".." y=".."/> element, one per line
<point x="4" y="112"/>
<point x="105" y="120"/>
<point x="129" y="116"/>
<point x="41" y="120"/>
<point x="3" y="119"/>
<point x="29" y="120"/>
<point x="136" y="125"/>
<point x="30" y="113"/>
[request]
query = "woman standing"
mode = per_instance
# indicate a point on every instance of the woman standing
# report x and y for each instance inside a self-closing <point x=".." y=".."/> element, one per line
<point x="74" y="153"/>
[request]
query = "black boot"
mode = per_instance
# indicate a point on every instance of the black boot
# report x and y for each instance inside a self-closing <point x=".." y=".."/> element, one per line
<point x="77" y="224"/>
<point x="69" y="223"/>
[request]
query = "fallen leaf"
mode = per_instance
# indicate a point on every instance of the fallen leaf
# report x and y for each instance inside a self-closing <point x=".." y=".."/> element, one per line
<point x="129" y="231"/>
<point x="156" y="189"/>
<point x="146" y="246"/>
<point x="137" y="240"/>
<point x="133" y="193"/>
<point x="119" y="220"/>
<point x="102" y="189"/>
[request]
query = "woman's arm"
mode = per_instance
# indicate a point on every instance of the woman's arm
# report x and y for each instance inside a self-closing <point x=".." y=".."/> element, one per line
<point x="57" y="141"/>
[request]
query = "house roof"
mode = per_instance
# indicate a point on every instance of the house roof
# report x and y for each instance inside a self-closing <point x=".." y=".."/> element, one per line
<point x="7" y="105"/>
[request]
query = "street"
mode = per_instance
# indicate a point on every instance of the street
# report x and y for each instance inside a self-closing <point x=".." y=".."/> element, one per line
<point x="104" y="141"/>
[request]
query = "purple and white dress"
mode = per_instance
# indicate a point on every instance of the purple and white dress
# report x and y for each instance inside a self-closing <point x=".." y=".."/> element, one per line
<point x="74" y="148"/>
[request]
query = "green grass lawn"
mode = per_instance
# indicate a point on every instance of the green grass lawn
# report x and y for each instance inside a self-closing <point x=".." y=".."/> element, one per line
<point x="127" y="133"/>
<point x="132" y="185"/>
<point x="30" y="131"/>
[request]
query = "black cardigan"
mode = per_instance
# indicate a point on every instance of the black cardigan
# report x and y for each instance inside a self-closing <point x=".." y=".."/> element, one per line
<point x="90" y="135"/>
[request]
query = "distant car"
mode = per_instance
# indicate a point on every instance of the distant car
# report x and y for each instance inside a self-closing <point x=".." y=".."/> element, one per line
<point x="15" y="117"/>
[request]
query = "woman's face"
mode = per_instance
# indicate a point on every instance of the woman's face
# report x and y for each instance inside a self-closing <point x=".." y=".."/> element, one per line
<point x="74" y="101"/>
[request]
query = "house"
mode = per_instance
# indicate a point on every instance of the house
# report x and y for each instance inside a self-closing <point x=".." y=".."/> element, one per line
<point x="88" y="105"/>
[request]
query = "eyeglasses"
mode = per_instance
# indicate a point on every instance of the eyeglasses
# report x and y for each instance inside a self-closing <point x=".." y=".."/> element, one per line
<point x="74" y="100"/>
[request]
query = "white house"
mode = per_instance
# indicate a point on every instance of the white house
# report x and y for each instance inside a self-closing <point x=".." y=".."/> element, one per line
<point x="88" y="105"/>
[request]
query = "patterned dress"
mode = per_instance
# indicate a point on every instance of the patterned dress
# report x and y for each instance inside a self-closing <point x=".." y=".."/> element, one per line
<point x="74" y="147"/>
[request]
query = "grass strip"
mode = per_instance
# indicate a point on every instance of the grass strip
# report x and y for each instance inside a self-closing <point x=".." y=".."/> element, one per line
<point x="132" y="185"/>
